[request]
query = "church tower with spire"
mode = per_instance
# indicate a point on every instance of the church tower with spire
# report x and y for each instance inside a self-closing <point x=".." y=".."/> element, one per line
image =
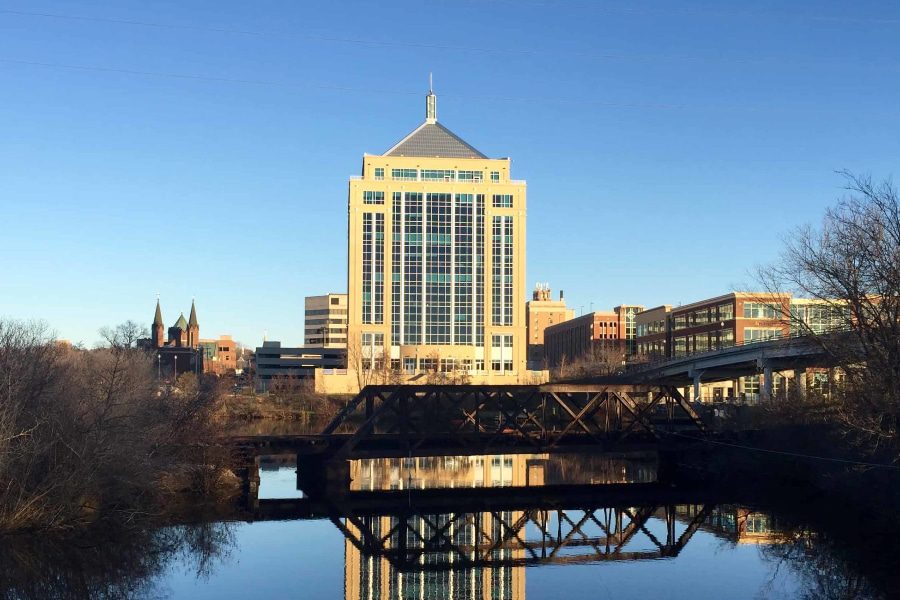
<point x="193" y="328"/>
<point x="156" y="333"/>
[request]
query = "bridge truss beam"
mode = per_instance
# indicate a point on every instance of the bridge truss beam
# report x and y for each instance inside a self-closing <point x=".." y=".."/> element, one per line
<point x="483" y="418"/>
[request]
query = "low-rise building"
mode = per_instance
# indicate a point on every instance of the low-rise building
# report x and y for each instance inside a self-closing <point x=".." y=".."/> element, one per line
<point x="652" y="333"/>
<point x="627" y="314"/>
<point x="219" y="355"/>
<point x="540" y="313"/>
<point x="273" y="361"/>
<point x="325" y="321"/>
<point x="580" y="337"/>
<point x="732" y="319"/>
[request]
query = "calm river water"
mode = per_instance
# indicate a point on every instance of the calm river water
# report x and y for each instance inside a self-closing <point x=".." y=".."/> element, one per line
<point x="483" y="549"/>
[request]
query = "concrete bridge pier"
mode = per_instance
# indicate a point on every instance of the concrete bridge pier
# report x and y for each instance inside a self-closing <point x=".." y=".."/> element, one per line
<point x="319" y="475"/>
<point x="696" y="376"/>
<point x="800" y="383"/>
<point x="767" y="388"/>
<point x="248" y="472"/>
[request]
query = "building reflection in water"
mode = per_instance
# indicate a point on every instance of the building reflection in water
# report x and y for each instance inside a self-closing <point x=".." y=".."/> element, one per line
<point x="476" y="555"/>
<point x="510" y="470"/>
<point x="483" y="555"/>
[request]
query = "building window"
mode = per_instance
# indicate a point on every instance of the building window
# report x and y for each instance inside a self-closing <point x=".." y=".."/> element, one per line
<point x="372" y="350"/>
<point x="495" y="176"/>
<point x="437" y="175"/>
<point x="373" y="197"/>
<point x="760" y="310"/>
<point x="379" y="173"/>
<point x="502" y="270"/>
<point x="726" y="311"/>
<point x="761" y="334"/>
<point x="373" y="268"/>
<point x="437" y="287"/>
<point x="405" y="174"/>
<point x="502" y="200"/>
<point x="438" y="264"/>
<point x="470" y="176"/>
<point x="412" y="249"/>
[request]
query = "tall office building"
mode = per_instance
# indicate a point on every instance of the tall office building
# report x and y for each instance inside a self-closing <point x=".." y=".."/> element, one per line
<point x="436" y="276"/>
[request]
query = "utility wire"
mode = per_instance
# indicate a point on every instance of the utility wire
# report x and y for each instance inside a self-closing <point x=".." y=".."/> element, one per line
<point x="524" y="99"/>
<point x="683" y="11"/>
<point x="786" y="453"/>
<point x="605" y="56"/>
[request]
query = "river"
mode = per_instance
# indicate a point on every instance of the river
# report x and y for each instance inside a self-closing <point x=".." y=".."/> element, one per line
<point x="486" y="527"/>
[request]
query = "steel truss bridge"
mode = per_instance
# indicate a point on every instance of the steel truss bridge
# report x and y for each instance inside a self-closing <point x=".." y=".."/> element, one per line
<point x="461" y="528"/>
<point x="408" y="420"/>
<point x="415" y="541"/>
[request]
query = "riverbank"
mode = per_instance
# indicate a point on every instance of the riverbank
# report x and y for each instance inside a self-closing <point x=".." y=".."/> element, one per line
<point x="273" y="407"/>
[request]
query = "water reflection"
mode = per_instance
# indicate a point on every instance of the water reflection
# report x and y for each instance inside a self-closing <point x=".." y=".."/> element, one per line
<point x="484" y="554"/>
<point x="501" y="527"/>
<point x="110" y="564"/>
<point x="511" y="470"/>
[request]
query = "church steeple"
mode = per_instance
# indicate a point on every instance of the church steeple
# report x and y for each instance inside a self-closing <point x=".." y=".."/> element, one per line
<point x="192" y="321"/>
<point x="430" y="103"/>
<point x="193" y="329"/>
<point x="156" y="332"/>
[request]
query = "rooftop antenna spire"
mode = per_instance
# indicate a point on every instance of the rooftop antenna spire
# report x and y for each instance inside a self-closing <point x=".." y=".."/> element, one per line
<point x="430" y="102"/>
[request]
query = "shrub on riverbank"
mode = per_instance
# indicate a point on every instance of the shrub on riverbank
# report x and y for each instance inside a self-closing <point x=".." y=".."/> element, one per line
<point x="88" y="434"/>
<point x="288" y="399"/>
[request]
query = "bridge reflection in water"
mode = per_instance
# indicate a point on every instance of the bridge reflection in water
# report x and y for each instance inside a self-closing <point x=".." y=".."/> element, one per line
<point x="467" y="526"/>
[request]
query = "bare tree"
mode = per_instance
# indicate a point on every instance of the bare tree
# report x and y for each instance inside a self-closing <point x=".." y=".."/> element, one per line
<point x="850" y="265"/>
<point x="87" y="432"/>
<point x="124" y="335"/>
<point x="605" y="357"/>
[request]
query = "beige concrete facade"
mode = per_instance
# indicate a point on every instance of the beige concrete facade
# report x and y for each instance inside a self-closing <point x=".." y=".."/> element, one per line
<point x="325" y="321"/>
<point x="540" y="313"/>
<point x="436" y="260"/>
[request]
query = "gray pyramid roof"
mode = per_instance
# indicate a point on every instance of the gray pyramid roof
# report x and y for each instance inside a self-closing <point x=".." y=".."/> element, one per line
<point x="433" y="139"/>
<point x="181" y="323"/>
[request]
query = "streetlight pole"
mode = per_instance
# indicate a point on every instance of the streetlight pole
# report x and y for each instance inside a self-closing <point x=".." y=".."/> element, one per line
<point x="175" y="376"/>
<point x="158" y="368"/>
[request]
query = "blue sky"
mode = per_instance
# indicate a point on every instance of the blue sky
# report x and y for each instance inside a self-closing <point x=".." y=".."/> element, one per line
<point x="203" y="148"/>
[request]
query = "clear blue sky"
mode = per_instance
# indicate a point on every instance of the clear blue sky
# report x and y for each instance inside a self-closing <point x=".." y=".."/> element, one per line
<point x="205" y="153"/>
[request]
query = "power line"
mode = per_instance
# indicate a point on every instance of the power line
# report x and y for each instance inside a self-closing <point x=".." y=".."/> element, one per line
<point x="488" y="98"/>
<point x="694" y="12"/>
<point x="605" y="56"/>
<point x="786" y="453"/>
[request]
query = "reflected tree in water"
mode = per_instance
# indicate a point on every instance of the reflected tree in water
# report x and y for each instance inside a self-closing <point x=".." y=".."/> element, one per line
<point x="112" y="566"/>
<point x="823" y="572"/>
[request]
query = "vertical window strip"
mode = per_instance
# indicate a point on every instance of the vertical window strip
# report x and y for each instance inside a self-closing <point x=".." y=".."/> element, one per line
<point x="438" y="260"/>
<point x="367" y="267"/>
<point x="479" y="235"/>
<point x="412" y="280"/>
<point x="378" y="269"/>
<point x="396" y="268"/>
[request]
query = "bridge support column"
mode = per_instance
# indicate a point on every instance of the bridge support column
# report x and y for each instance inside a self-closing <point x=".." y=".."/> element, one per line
<point x="248" y="472"/>
<point x="322" y="476"/>
<point x="800" y="383"/>
<point x="767" y="383"/>
<point x="696" y="376"/>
